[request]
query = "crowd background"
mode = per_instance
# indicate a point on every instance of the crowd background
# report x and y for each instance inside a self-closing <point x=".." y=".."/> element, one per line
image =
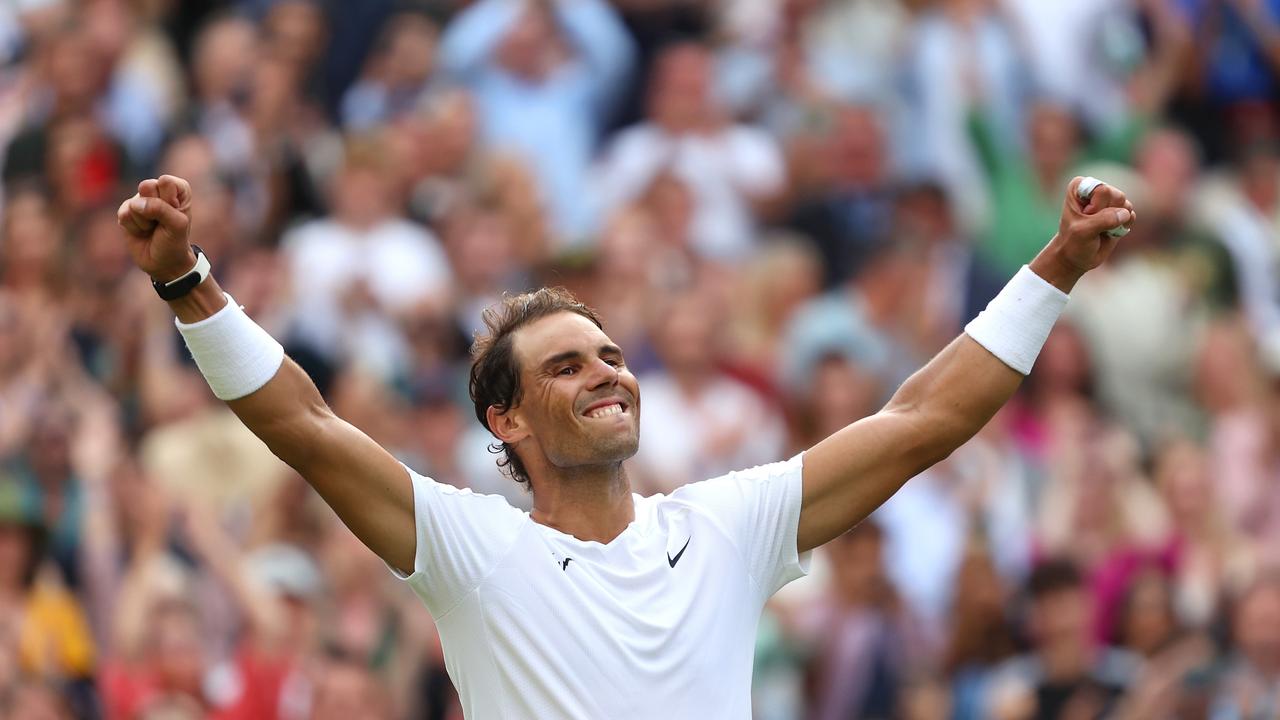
<point x="780" y="207"/>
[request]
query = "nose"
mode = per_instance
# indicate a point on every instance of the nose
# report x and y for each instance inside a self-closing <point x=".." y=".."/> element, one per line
<point x="602" y="374"/>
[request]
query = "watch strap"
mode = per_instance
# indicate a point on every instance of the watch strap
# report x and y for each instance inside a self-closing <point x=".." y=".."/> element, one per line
<point x="187" y="282"/>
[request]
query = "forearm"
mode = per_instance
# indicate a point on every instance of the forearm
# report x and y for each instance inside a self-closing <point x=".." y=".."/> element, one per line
<point x="594" y="29"/>
<point x="954" y="395"/>
<point x="276" y="401"/>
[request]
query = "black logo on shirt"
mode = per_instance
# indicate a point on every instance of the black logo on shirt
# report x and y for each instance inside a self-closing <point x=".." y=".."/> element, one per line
<point x="565" y="565"/>
<point x="673" y="560"/>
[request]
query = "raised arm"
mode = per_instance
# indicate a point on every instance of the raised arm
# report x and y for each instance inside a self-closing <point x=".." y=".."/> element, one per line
<point x="370" y="491"/>
<point x="851" y="473"/>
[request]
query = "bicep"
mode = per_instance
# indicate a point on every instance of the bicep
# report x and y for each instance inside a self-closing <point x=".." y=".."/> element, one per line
<point x="854" y="471"/>
<point x="368" y="488"/>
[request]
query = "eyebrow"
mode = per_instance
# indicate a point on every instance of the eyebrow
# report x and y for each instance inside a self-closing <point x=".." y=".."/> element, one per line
<point x="576" y="355"/>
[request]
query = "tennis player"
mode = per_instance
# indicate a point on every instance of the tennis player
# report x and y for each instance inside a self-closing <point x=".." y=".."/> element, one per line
<point x="601" y="604"/>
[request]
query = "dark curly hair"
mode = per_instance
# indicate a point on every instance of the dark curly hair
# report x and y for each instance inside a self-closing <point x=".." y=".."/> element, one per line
<point x="495" y="372"/>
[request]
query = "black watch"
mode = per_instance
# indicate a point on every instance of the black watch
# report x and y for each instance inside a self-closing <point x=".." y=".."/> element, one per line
<point x="184" y="284"/>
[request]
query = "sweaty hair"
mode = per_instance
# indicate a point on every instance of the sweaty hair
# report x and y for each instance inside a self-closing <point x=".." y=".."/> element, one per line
<point x="495" y="371"/>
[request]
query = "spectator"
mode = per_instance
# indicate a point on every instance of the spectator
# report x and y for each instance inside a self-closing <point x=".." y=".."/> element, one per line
<point x="1247" y="685"/>
<point x="699" y="421"/>
<point x="728" y="168"/>
<point x="544" y="77"/>
<point x="397" y="75"/>
<point x="1065" y="674"/>
<point x="845" y="204"/>
<point x="354" y="271"/>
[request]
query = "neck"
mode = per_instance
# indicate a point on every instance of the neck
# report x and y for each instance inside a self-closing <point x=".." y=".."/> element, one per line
<point x="589" y="503"/>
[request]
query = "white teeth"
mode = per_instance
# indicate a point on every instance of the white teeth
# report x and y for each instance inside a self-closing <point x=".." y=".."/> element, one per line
<point x="605" y="411"/>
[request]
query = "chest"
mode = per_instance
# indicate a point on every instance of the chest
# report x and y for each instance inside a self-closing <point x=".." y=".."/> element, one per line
<point x="648" y="599"/>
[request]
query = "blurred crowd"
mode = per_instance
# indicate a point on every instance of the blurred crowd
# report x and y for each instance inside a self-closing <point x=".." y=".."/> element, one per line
<point x="780" y="207"/>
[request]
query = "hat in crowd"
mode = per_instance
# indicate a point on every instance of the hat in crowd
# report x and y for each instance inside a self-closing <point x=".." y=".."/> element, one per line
<point x="286" y="569"/>
<point x="828" y="327"/>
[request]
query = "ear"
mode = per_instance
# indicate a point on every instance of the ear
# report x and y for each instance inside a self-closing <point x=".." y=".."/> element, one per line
<point x="506" y="425"/>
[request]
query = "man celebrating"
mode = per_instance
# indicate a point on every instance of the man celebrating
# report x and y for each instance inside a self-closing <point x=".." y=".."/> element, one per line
<point x="600" y="603"/>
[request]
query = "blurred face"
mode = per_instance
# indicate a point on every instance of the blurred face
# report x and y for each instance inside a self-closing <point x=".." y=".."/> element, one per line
<point x="687" y="335"/>
<point x="856" y="156"/>
<point x="924" y="215"/>
<point x="841" y="393"/>
<point x="680" y="99"/>
<point x="295" y="30"/>
<point x="525" y="48"/>
<point x="347" y="691"/>
<point x="360" y="197"/>
<point x="1183" y="477"/>
<point x="31" y="238"/>
<point x="176" y="652"/>
<point x="481" y="247"/>
<point x="1260" y="177"/>
<point x="225" y="55"/>
<point x="1054" y="137"/>
<point x="579" y="404"/>
<point x="857" y="564"/>
<point x="1167" y="162"/>
<point x="413" y="49"/>
<point x="1257" y="628"/>
<point x="72" y="70"/>
<point x="1061" y="617"/>
<point x="15" y="553"/>
<point x="1147" y="621"/>
<point x="106" y="257"/>
<point x="1063" y="367"/>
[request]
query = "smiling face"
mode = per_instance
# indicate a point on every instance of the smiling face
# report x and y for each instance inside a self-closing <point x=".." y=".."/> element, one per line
<point x="579" y="404"/>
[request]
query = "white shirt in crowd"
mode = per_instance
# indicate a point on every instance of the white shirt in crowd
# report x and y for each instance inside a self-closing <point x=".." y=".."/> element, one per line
<point x="723" y="172"/>
<point x="685" y="438"/>
<point x="400" y="263"/>
<point x="659" y="622"/>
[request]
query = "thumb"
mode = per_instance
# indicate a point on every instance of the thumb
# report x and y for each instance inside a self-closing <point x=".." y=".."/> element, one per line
<point x="1090" y="226"/>
<point x="157" y="210"/>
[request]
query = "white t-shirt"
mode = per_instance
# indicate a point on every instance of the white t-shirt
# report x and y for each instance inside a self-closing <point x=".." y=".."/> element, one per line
<point x="659" y="622"/>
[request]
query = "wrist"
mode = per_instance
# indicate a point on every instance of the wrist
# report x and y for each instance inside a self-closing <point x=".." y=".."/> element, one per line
<point x="171" y="274"/>
<point x="1056" y="270"/>
<point x="202" y="302"/>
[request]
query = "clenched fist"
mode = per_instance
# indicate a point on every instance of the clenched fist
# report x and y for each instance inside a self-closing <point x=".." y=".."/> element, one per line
<point x="156" y="221"/>
<point x="1083" y="241"/>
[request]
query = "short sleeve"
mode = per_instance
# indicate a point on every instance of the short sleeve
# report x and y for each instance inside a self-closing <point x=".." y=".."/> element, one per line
<point x="461" y="536"/>
<point x="759" y="509"/>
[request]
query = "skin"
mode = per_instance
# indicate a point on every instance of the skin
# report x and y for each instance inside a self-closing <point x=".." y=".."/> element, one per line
<point x="567" y="364"/>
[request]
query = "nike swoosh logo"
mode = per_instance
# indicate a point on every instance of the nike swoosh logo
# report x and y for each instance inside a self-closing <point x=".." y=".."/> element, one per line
<point x="676" y="559"/>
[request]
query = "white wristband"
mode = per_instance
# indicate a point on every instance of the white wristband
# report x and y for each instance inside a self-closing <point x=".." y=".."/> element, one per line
<point x="234" y="354"/>
<point x="1017" y="322"/>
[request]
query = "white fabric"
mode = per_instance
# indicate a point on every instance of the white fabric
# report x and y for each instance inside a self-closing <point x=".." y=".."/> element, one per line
<point x="398" y="262"/>
<point x="234" y="354"/>
<point x="538" y="624"/>
<point x="685" y="438"/>
<point x="723" y="172"/>
<point x="1017" y="322"/>
<point x="1061" y="40"/>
